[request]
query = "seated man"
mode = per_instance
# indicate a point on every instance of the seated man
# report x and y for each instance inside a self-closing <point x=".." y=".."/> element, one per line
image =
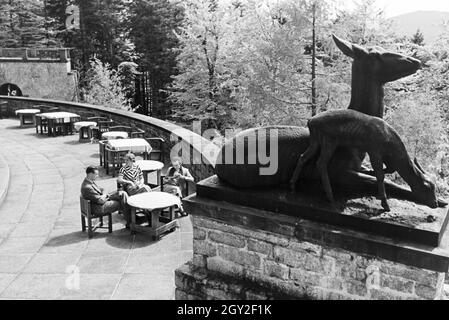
<point x="131" y="177"/>
<point x="101" y="203"/>
<point x="176" y="180"/>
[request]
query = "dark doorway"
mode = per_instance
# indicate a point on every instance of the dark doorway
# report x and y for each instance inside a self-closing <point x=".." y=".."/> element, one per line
<point x="10" y="89"/>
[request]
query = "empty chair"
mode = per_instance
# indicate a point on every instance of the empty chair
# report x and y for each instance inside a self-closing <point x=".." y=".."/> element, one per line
<point x="137" y="133"/>
<point x="126" y="129"/>
<point x="87" y="217"/>
<point x="113" y="158"/>
<point x="102" y="127"/>
<point x="157" y="145"/>
<point x="41" y="123"/>
<point x="96" y="118"/>
<point x="46" y="109"/>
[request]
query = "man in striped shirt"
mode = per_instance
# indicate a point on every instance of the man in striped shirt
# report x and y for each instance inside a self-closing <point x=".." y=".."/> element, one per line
<point x="131" y="177"/>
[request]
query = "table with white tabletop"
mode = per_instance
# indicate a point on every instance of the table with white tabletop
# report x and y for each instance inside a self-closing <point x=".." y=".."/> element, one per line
<point x="114" y="150"/>
<point x="84" y="124"/>
<point x="65" y="118"/>
<point x="26" y="116"/>
<point x="136" y="145"/>
<point x="112" y="135"/>
<point x="83" y="128"/>
<point x="154" y="202"/>
<point x="149" y="166"/>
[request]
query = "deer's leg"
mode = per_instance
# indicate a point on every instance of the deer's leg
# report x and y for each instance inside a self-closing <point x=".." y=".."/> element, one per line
<point x="377" y="164"/>
<point x="306" y="156"/>
<point x="327" y="150"/>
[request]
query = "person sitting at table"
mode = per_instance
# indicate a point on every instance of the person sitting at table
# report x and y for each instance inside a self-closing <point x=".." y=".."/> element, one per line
<point x="101" y="202"/>
<point x="131" y="177"/>
<point x="176" y="179"/>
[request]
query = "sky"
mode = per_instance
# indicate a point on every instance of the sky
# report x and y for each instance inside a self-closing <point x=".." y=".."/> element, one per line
<point x="397" y="7"/>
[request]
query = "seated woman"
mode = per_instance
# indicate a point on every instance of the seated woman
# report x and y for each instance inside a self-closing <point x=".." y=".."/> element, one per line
<point x="176" y="180"/>
<point x="131" y="177"/>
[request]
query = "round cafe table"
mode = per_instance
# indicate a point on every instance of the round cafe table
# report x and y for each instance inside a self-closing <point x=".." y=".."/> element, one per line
<point x="154" y="202"/>
<point x="112" y="135"/>
<point x="83" y="129"/>
<point x="148" y="166"/>
<point x="27" y="116"/>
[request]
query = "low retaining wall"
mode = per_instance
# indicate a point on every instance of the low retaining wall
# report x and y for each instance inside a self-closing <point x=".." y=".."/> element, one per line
<point x="245" y="253"/>
<point x="174" y="135"/>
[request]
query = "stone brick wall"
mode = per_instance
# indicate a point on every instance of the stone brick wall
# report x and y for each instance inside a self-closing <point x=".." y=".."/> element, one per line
<point x="235" y="262"/>
<point x="202" y="168"/>
<point x="47" y="80"/>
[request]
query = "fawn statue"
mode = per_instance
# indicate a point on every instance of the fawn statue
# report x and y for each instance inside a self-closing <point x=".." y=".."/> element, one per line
<point x="332" y="129"/>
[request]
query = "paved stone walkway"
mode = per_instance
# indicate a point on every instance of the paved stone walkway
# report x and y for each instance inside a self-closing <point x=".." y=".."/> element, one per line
<point x="44" y="254"/>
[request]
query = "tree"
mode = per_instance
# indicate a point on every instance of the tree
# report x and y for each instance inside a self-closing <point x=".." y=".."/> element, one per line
<point x="418" y="38"/>
<point x="150" y="26"/>
<point x="256" y="60"/>
<point x="105" y="87"/>
<point x="101" y="30"/>
<point x="22" y="23"/>
<point x="366" y="24"/>
<point x="200" y="90"/>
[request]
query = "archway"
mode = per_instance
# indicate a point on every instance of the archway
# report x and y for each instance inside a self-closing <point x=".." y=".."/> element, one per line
<point x="10" y="89"/>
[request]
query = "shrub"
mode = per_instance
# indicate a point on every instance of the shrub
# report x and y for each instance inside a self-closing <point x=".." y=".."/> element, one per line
<point x="104" y="87"/>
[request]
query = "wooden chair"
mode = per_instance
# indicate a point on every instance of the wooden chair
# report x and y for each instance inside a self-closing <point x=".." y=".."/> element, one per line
<point x="59" y="127"/>
<point x="187" y="189"/>
<point x="126" y="129"/>
<point x="137" y="133"/>
<point x="46" y="109"/>
<point x="102" y="151"/>
<point x="41" y="124"/>
<point x="86" y="214"/>
<point x="114" y="158"/>
<point x="102" y="127"/>
<point x="96" y="119"/>
<point x="4" y="109"/>
<point x="157" y="145"/>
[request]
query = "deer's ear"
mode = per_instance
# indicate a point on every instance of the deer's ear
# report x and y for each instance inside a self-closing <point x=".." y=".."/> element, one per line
<point x="344" y="46"/>
<point x="351" y="50"/>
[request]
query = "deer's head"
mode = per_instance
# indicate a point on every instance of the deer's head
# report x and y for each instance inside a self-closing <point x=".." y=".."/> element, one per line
<point x="378" y="64"/>
<point x="425" y="190"/>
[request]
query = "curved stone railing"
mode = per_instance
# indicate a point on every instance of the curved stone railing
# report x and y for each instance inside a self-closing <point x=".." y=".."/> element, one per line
<point x="201" y="152"/>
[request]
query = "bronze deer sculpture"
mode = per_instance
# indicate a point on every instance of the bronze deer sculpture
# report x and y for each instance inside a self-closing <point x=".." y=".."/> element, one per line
<point x="371" y="69"/>
<point x="354" y="129"/>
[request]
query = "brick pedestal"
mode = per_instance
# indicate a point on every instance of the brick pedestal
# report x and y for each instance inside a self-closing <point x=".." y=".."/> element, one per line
<point x="245" y="253"/>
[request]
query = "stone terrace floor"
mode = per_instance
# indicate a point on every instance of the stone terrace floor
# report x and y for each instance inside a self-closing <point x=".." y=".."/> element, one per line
<point x="40" y="230"/>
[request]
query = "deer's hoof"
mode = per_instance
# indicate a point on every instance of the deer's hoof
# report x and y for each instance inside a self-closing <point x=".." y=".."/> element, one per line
<point x="442" y="203"/>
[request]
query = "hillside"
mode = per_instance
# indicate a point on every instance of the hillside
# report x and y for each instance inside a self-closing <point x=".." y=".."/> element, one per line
<point x="429" y="22"/>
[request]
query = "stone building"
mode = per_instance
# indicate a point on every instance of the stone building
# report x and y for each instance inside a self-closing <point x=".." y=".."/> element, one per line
<point x="38" y="73"/>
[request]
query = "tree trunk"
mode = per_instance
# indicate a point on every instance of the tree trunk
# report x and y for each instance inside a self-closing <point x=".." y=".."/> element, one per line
<point x="85" y="58"/>
<point x="314" y="97"/>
